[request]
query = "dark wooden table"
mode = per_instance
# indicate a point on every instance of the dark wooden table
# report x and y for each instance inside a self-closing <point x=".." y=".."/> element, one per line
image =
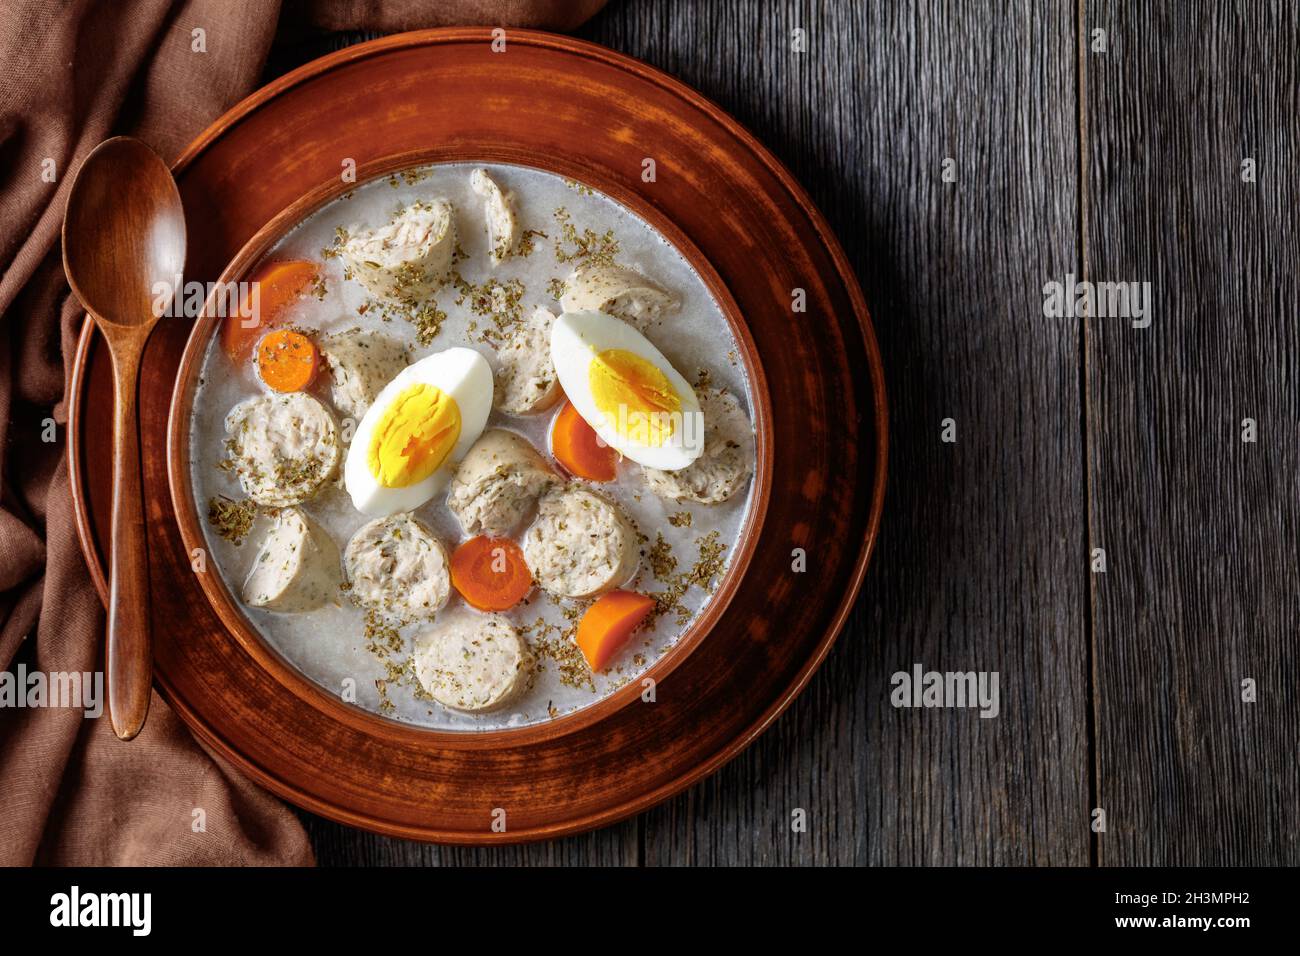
<point x="1120" y="691"/>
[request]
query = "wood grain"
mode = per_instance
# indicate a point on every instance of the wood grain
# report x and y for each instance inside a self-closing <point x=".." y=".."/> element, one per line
<point x="1199" y="527"/>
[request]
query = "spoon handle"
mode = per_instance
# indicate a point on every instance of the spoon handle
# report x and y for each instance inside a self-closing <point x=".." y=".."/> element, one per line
<point x="129" y="655"/>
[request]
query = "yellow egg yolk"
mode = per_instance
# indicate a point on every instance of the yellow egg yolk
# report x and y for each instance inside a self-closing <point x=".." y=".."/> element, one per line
<point x="634" y="395"/>
<point x="414" y="436"/>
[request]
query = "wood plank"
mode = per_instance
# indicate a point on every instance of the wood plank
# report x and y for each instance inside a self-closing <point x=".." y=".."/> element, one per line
<point x="1199" y="527"/>
<point x="978" y="567"/>
<point x="339" y="845"/>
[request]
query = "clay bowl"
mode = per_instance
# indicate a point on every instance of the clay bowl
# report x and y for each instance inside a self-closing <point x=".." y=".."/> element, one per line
<point x="227" y="606"/>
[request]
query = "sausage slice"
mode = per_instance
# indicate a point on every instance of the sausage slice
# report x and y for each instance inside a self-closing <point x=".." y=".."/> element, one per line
<point x="283" y="447"/>
<point x="361" y="363"/>
<point x="618" y="291"/>
<point x="498" y="207"/>
<point x="497" y="483"/>
<point x="526" y="381"/>
<point x="396" y="566"/>
<point x="723" y="467"/>
<point x="472" y="662"/>
<point x="581" y="544"/>
<point x="297" y="567"/>
<point x="407" y="258"/>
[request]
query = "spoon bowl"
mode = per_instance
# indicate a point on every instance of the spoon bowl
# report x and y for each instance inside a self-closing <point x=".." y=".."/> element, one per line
<point x="124" y="231"/>
<point x="124" y="254"/>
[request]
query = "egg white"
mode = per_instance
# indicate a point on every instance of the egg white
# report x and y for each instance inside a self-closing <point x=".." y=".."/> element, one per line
<point x="466" y="377"/>
<point x="575" y="338"/>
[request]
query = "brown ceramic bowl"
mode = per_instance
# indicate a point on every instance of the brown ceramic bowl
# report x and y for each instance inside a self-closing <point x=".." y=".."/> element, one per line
<point x="228" y="607"/>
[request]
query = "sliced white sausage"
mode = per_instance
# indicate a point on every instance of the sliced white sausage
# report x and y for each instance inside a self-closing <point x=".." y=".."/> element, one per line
<point x="409" y="257"/>
<point x="282" y="447"/>
<point x="724" y="466"/>
<point x="619" y="291"/>
<point x="581" y="543"/>
<point x="498" y="208"/>
<point x="396" y="566"/>
<point x="473" y="662"/>
<point x="526" y="381"/>
<point x="360" y="363"/>
<point x="297" y="567"/>
<point x="497" y="483"/>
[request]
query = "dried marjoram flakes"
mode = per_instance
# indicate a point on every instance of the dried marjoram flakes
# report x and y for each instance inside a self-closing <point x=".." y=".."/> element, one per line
<point x="231" y="519"/>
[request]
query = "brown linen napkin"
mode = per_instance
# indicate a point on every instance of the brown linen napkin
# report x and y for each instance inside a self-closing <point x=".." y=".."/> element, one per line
<point x="74" y="73"/>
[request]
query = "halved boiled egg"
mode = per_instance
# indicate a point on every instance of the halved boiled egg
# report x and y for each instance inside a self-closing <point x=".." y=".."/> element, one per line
<point x="421" y="423"/>
<point x="626" y="390"/>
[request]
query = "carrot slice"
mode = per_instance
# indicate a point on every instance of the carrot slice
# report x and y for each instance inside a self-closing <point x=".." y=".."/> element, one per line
<point x="490" y="573"/>
<point x="278" y="285"/>
<point x="287" y="360"/>
<point x="608" y="623"/>
<point x="576" y="446"/>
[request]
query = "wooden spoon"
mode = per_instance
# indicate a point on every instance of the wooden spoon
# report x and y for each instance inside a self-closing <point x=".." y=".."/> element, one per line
<point x="123" y="232"/>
